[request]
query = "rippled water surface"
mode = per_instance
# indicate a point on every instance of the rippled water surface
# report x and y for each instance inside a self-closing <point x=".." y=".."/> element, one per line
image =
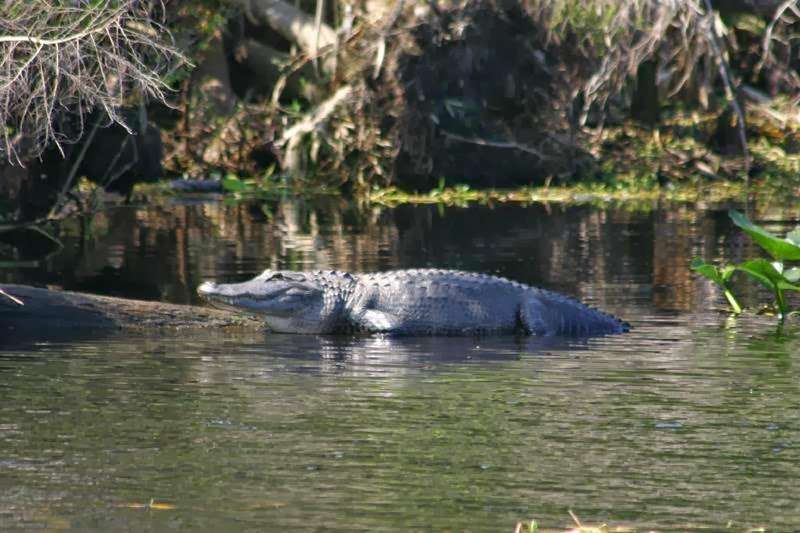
<point x="690" y="421"/>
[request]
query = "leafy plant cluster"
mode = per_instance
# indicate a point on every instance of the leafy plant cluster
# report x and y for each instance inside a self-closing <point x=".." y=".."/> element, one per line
<point x="775" y="275"/>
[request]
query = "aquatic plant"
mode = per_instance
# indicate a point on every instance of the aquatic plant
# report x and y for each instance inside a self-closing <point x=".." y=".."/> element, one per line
<point x="774" y="275"/>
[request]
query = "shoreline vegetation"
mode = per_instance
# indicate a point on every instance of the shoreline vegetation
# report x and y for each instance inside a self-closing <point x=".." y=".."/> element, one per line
<point x="463" y="195"/>
<point x="556" y="101"/>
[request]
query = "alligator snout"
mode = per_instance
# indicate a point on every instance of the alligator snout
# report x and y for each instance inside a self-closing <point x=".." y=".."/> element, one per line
<point x="206" y="288"/>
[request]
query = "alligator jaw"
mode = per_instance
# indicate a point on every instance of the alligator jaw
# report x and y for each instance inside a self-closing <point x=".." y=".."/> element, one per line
<point x="212" y="293"/>
<point x="280" y="298"/>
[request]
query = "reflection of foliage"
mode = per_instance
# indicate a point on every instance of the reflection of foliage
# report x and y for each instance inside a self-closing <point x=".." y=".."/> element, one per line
<point x="56" y="57"/>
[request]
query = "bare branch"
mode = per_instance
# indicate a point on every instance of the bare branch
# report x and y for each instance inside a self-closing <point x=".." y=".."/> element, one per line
<point x="730" y="87"/>
<point x="57" y="60"/>
<point x="766" y="54"/>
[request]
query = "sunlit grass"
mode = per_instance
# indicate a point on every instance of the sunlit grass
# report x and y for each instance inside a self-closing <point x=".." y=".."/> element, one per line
<point x="587" y="193"/>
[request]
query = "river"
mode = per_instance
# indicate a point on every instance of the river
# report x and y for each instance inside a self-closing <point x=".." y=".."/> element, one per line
<point x="690" y="421"/>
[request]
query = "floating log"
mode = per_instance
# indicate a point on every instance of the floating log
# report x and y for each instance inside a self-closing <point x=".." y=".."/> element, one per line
<point x="28" y="311"/>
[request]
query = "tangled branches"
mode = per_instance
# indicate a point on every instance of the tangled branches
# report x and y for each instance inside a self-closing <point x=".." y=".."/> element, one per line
<point x="777" y="43"/>
<point x="60" y="60"/>
<point x="616" y="37"/>
<point x="686" y="38"/>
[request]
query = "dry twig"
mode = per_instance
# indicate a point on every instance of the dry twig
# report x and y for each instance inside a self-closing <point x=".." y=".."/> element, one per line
<point x="58" y="60"/>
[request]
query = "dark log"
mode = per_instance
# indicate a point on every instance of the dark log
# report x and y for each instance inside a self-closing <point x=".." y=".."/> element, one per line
<point x="46" y="312"/>
<point x="210" y="86"/>
<point x="266" y="65"/>
<point x="762" y="8"/>
<point x="293" y="24"/>
<point x="727" y="137"/>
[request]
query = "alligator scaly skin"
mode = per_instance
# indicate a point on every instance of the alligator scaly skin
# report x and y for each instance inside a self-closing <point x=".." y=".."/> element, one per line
<point x="408" y="302"/>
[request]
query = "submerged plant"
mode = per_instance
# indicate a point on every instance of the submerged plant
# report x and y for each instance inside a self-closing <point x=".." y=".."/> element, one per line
<point x="773" y="275"/>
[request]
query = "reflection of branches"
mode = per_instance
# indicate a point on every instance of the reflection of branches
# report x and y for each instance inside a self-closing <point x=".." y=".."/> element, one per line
<point x="56" y="58"/>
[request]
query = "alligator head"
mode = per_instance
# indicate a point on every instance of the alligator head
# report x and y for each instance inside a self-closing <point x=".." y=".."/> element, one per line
<point x="291" y="302"/>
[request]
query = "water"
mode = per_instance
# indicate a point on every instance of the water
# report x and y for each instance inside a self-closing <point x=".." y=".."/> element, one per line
<point x="690" y="421"/>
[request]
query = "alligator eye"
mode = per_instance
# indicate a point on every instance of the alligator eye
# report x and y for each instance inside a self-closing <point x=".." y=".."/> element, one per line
<point x="283" y="277"/>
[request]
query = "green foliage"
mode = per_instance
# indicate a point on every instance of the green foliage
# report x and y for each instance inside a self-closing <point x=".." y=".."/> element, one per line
<point x="779" y="249"/>
<point x="593" y="20"/>
<point x="720" y="276"/>
<point x="771" y="274"/>
<point x="235" y="185"/>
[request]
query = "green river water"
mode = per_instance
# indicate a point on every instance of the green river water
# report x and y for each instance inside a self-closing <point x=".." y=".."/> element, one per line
<point x="689" y="422"/>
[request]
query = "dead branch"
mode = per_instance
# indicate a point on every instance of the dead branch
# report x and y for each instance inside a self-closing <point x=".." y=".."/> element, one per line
<point x="292" y="137"/>
<point x="57" y="60"/>
<point x="293" y="24"/>
<point x="731" y="92"/>
<point x="769" y="34"/>
<point x="275" y="71"/>
<point x="513" y="145"/>
<point x="312" y="120"/>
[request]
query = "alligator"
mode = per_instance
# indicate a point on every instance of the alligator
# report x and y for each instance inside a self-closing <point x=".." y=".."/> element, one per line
<point x="407" y="302"/>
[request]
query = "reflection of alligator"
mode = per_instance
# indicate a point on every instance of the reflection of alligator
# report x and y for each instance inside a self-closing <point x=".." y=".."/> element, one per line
<point x="407" y="302"/>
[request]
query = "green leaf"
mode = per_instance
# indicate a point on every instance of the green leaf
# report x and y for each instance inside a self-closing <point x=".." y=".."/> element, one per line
<point x="720" y="277"/>
<point x="234" y="184"/>
<point x="715" y="274"/>
<point x="792" y="274"/>
<point x="765" y="273"/>
<point x="794" y="236"/>
<point x="762" y="271"/>
<point x="780" y="249"/>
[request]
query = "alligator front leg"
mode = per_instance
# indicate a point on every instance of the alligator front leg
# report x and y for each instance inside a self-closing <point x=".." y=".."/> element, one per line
<point x="375" y="321"/>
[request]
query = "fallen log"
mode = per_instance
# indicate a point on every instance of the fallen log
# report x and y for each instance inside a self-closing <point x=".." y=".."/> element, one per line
<point x="268" y="65"/>
<point x="292" y="23"/>
<point x="29" y="311"/>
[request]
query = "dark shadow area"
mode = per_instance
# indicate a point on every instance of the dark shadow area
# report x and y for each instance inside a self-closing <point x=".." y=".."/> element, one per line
<point x="485" y="101"/>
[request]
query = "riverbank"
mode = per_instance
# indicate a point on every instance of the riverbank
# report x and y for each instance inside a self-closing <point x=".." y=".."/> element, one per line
<point x="631" y="164"/>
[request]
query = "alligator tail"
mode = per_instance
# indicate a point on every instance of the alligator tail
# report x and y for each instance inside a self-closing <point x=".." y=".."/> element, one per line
<point x="549" y="313"/>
